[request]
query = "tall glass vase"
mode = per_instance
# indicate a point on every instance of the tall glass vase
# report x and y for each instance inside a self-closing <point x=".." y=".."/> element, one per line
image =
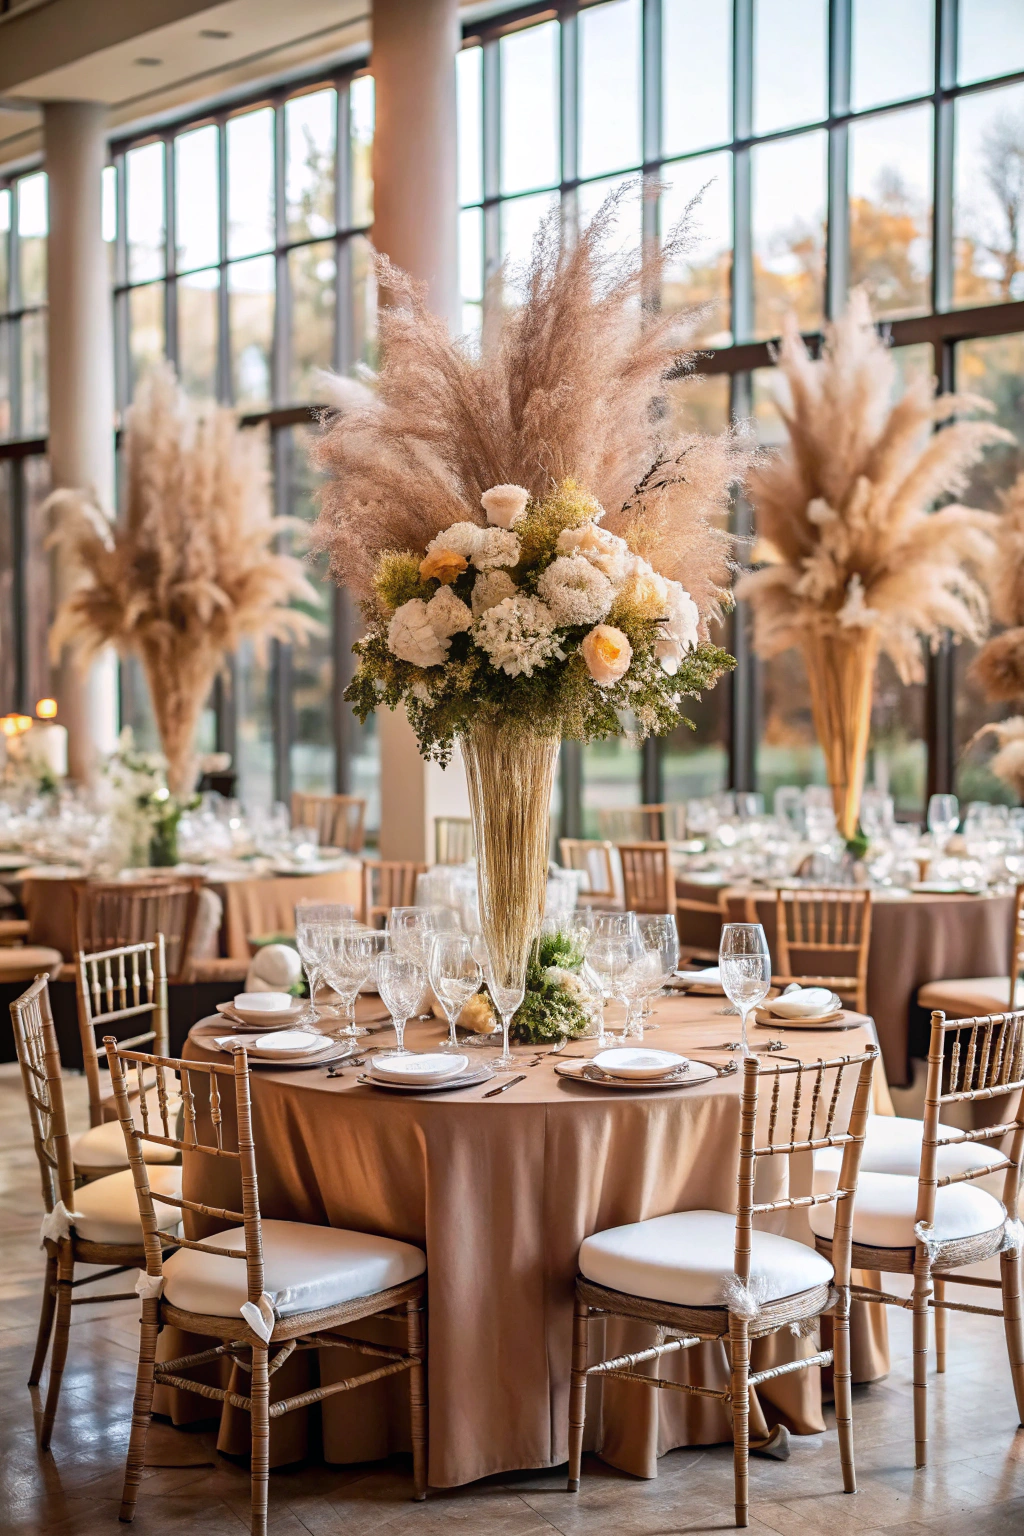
<point x="841" y="676"/>
<point x="511" y="773"/>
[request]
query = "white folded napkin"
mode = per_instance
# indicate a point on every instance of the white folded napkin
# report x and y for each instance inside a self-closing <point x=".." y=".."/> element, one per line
<point x="802" y="1001"/>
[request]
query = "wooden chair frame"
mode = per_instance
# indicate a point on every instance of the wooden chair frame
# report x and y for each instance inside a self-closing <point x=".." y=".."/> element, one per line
<point x="826" y="920"/>
<point x="39" y="1056"/>
<point x="111" y="986"/>
<point x="388" y="883"/>
<point x="655" y="823"/>
<point x="123" y="927"/>
<point x="340" y="820"/>
<point x="583" y="853"/>
<point x="454" y="839"/>
<point x="986" y="1061"/>
<point x="1017" y="946"/>
<point x="649" y="885"/>
<point x="689" y="1326"/>
<point x="305" y="1330"/>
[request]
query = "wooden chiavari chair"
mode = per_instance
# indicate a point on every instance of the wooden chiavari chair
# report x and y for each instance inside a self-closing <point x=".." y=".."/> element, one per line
<point x="108" y="914"/>
<point x="705" y="1275"/>
<point x="833" y="922"/>
<point x="115" y="987"/>
<point x="96" y="1224"/>
<point x="299" y="1282"/>
<point x="340" y="820"/>
<point x="983" y="994"/>
<point x="386" y="884"/>
<point x="931" y="1225"/>
<point x="634" y="823"/>
<point x="649" y="885"/>
<point x="593" y="857"/>
<point x="454" y="840"/>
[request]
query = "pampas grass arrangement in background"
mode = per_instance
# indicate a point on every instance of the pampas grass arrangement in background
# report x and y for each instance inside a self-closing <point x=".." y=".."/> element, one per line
<point x="192" y="567"/>
<point x="854" y="560"/>
<point x="999" y="665"/>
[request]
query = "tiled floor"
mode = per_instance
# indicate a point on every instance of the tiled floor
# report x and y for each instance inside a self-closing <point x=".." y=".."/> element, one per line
<point x="975" y="1483"/>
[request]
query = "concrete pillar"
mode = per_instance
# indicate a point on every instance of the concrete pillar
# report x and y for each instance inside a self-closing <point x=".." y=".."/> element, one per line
<point x="415" y="201"/>
<point x="81" y="388"/>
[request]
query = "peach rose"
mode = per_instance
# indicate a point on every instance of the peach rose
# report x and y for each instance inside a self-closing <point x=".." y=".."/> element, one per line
<point x="443" y="564"/>
<point x="607" y="654"/>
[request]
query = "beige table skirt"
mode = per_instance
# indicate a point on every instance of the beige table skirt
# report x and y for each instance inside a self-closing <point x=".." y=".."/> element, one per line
<point x="501" y="1193"/>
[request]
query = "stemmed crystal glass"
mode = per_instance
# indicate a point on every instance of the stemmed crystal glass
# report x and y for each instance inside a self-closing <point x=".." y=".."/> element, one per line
<point x="455" y="976"/>
<point x="314" y="923"/>
<point x="612" y="934"/>
<point x="400" y="982"/>
<point x="943" y="819"/>
<point x="507" y="995"/>
<point x="351" y="955"/>
<point x="660" y="937"/>
<point x="746" y="971"/>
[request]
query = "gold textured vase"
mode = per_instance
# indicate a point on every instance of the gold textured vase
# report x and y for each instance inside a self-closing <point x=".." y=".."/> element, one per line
<point x="841" y="676"/>
<point x="511" y="773"/>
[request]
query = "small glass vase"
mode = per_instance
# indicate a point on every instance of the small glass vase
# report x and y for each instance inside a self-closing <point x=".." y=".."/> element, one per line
<point x="510" y="770"/>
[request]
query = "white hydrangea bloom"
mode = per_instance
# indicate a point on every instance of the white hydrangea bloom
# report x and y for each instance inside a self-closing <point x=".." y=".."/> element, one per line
<point x="610" y="554"/>
<point x="568" y="981"/>
<point x="505" y="505"/>
<point x="411" y="635"/>
<point x="422" y="692"/>
<point x="681" y="632"/>
<point x="517" y="635"/>
<point x="495" y="547"/>
<point x="448" y="614"/>
<point x="461" y="538"/>
<point x="491" y="587"/>
<point x="639" y="569"/>
<point x="575" y="591"/>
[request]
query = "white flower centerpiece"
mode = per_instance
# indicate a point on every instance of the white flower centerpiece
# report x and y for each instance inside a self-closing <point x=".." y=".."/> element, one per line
<point x="537" y="556"/>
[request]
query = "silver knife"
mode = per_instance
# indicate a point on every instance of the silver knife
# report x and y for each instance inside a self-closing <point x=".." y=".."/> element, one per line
<point x="501" y="1089"/>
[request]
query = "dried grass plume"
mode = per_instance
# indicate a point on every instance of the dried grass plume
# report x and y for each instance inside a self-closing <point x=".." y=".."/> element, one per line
<point x="843" y="512"/>
<point x="192" y="568"/>
<point x="999" y="666"/>
<point x="566" y="385"/>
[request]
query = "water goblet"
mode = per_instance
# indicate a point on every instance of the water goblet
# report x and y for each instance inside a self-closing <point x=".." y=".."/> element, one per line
<point x="608" y="954"/>
<point x="350" y="959"/>
<point x="507" y="993"/>
<point x="400" y="982"/>
<point x="455" y="976"/>
<point x="660" y="935"/>
<point x="746" y="970"/>
<point x="943" y="819"/>
<point x="314" y="922"/>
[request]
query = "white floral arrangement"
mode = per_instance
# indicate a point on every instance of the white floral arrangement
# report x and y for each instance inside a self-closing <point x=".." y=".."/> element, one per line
<point x="541" y="610"/>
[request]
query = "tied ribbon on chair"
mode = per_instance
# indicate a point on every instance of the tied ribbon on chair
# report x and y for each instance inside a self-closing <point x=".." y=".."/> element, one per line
<point x="147" y="1286"/>
<point x="260" y="1316"/>
<point x="56" y="1224"/>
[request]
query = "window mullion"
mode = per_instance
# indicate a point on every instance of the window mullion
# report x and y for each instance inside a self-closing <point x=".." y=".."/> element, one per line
<point x="743" y="106"/>
<point x="491" y="92"/>
<point x="837" y="227"/>
<point x="943" y="152"/>
<point x="225" y="391"/>
<point x="170" y="256"/>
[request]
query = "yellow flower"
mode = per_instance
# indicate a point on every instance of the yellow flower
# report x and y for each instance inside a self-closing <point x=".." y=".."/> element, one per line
<point x="607" y="654"/>
<point x="477" y="1015"/>
<point x="443" y="564"/>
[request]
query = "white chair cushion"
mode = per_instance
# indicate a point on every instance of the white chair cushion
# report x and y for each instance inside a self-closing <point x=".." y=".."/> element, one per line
<point x="974" y="994"/>
<point x="103" y="1147"/>
<point x="304" y="1268"/>
<point x="108" y="1209"/>
<point x="886" y="1207"/>
<point x="687" y="1259"/>
<point x="893" y="1145"/>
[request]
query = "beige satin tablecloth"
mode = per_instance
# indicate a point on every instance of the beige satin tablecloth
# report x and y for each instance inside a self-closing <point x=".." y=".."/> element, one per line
<point x="501" y="1192"/>
<point x="913" y="941"/>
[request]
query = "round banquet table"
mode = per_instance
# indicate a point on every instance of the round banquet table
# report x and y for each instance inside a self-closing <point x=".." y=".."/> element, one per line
<point x="918" y="939"/>
<point x="501" y="1192"/>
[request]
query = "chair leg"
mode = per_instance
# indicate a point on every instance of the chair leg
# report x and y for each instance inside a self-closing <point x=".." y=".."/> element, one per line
<point x="941" y="1326"/>
<point x="417" y="1397"/>
<point x="578" y="1391"/>
<point x="46" y="1311"/>
<point x="739" y="1360"/>
<point x="922" y="1296"/>
<point x="842" y="1378"/>
<point x="142" y="1407"/>
<point x="61" y="1335"/>
<point x="260" y="1416"/>
<point x="1013" y="1322"/>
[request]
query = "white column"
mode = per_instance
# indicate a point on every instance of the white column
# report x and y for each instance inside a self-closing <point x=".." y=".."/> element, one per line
<point x="415" y="200"/>
<point x="81" y="387"/>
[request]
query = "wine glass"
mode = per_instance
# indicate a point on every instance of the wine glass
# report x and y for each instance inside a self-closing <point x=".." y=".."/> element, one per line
<point x="506" y="995"/>
<point x="746" y="970"/>
<point x="660" y="936"/>
<point x="350" y="957"/>
<point x="943" y="819"/>
<point x="608" y="954"/>
<point x="639" y="978"/>
<point x="314" y="921"/>
<point x="400" y="982"/>
<point x="455" y="976"/>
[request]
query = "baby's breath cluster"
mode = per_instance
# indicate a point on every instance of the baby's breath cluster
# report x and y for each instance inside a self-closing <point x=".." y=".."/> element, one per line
<point x="542" y="614"/>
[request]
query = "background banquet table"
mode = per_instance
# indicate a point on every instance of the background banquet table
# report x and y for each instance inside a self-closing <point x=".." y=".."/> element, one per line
<point x="501" y="1192"/>
<point x="914" y="940"/>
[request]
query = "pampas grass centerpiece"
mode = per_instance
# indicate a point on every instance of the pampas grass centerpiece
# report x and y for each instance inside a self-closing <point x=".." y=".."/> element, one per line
<point x="853" y="559"/>
<point x="193" y="567"/>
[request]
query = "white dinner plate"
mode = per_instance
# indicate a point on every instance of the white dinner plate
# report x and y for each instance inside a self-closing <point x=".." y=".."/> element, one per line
<point x="261" y="1022"/>
<point x="205" y="1034"/>
<point x="418" y="1067"/>
<point x="835" y="1019"/>
<point x="637" y="1064"/>
<point x="464" y="1079"/>
<point x="285" y="1043"/>
<point x="574" y="1071"/>
<point x="943" y="888"/>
